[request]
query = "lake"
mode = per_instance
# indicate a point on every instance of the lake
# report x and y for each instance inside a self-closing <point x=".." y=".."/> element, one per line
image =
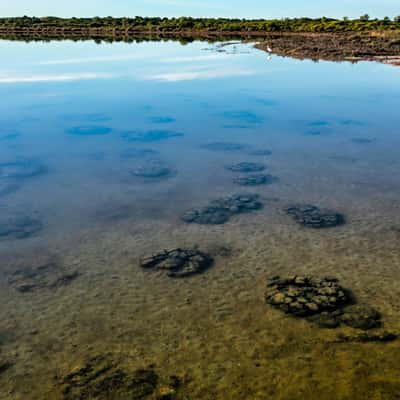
<point x="113" y="152"/>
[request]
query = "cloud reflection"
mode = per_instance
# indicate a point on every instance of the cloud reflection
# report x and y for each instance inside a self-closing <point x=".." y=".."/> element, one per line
<point x="52" y="78"/>
<point x="196" y="75"/>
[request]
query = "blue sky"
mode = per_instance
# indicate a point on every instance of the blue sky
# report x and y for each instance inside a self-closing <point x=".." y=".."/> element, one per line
<point x="228" y="8"/>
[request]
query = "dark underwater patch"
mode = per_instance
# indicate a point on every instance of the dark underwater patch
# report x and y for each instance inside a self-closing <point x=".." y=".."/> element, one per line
<point x="361" y="140"/>
<point x="21" y="169"/>
<point x="219" y="211"/>
<point x="224" y="146"/>
<point x="150" y="136"/>
<point x="162" y="120"/>
<point x="246" y="117"/>
<point x="246" y="167"/>
<point x="19" y="227"/>
<point x="89" y="130"/>
<point x="138" y="153"/>
<point x="318" y="123"/>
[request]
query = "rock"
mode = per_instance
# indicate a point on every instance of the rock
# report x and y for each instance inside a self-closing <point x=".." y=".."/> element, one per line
<point x="361" y="317"/>
<point x="314" y="217"/>
<point x="322" y="301"/>
<point x="89" y="130"/>
<point x="221" y="210"/>
<point x="150" y="136"/>
<point x="152" y="169"/>
<point x="245" y="167"/>
<point x="255" y="180"/>
<point x="44" y="275"/>
<point x="304" y="296"/>
<point x="99" y="378"/>
<point x="19" y="227"/>
<point x="178" y="263"/>
<point x="327" y="319"/>
<point x="224" y="146"/>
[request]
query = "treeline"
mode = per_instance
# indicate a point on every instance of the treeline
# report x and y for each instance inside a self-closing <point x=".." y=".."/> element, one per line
<point x="156" y="24"/>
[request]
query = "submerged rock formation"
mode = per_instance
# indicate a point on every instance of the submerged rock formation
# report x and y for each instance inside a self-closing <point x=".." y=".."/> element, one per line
<point x="245" y="167"/>
<point x="322" y="301"/>
<point x="255" y="180"/>
<point x="313" y="217"/>
<point x="102" y="378"/>
<point x="152" y="169"/>
<point x="99" y="378"/>
<point x="19" y="227"/>
<point x="44" y="275"/>
<point x="150" y="136"/>
<point x="178" y="263"/>
<point x="221" y="210"/>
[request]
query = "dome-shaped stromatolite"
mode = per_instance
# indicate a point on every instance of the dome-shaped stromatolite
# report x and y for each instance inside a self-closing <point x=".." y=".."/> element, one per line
<point x="178" y="263"/>
<point x="322" y="301"/>
<point x="246" y="167"/>
<point x="255" y="180"/>
<point x="305" y="296"/>
<point x="314" y="217"/>
<point x="219" y="211"/>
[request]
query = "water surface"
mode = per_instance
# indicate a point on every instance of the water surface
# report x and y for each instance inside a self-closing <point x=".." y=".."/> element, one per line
<point x="80" y="124"/>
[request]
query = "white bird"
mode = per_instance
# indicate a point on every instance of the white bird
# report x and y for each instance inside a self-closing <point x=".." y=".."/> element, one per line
<point x="269" y="49"/>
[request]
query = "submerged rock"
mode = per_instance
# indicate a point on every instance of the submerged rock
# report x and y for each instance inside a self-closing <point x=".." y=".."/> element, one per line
<point x="150" y="136"/>
<point x="255" y="180"/>
<point x="44" y="275"/>
<point x="8" y="188"/>
<point x="99" y="378"/>
<point x="361" y="317"/>
<point x="178" y="263"/>
<point x="313" y="217"/>
<point x="246" y="167"/>
<point x="361" y="140"/>
<point x="20" y="227"/>
<point x="138" y="153"/>
<point x="322" y="301"/>
<point x="152" y="169"/>
<point x="221" y="210"/>
<point x="306" y="296"/>
<point x="260" y="152"/>
<point x="224" y="146"/>
<point x="20" y="169"/>
<point x="91" y="130"/>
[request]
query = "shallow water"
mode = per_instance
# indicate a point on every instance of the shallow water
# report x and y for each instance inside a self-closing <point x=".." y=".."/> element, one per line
<point x="87" y="127"/>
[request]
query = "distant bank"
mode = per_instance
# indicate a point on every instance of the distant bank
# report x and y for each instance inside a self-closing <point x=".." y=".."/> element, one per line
<point x="322" y="38"/>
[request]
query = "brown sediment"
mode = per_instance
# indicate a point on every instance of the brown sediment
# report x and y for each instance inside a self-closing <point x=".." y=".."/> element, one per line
<point x="355" y="46"/>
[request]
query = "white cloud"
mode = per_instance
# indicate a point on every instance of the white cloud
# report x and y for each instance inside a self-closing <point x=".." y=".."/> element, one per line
<point x="51" y="78"/>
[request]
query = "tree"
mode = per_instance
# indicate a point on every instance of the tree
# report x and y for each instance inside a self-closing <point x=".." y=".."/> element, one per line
<point x="397" y="19"/>
<point x="364" y="17"/>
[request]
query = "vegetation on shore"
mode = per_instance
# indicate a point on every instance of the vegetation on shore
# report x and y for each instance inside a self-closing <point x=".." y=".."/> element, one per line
<point x="158" y="24"/>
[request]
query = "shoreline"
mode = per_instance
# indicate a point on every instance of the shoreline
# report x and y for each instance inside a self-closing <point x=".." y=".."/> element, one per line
<point x="382" y="46"/>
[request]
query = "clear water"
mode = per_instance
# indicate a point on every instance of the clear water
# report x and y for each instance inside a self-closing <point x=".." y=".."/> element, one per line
<point x="84" y="113"/>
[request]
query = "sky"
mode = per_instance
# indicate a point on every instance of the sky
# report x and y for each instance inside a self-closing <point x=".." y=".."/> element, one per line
<point x="202" y="8"/>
